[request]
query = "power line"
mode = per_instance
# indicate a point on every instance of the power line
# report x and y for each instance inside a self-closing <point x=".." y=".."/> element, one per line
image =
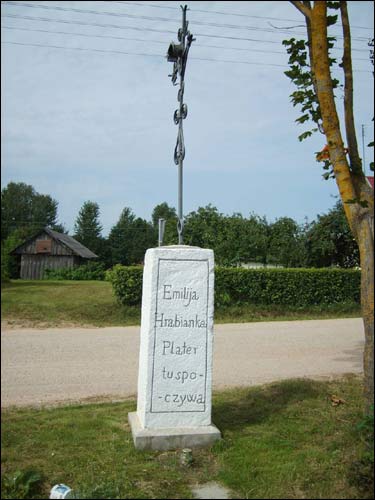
<point x="138" y="53"/>
<point x="162" y="19"/>
<point x="225" y="13"/>
<point x="84" y="49"/>
<point x="136" y="28"/>
<point x="142" y="40"/>
<point x="83" y="23"/>
<point x="88" y="11"/>
<point x="86" y="35"/>
<point x="151" y="55"/>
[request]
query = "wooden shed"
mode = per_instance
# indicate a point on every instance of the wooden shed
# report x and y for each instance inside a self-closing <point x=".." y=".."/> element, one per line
<point x="49" y="250"/>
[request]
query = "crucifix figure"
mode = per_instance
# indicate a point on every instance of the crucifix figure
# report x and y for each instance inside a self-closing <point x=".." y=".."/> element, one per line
<point x="178" y="53"/>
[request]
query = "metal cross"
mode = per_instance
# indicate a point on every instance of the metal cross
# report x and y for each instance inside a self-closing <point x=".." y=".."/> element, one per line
<point x="178" y="53"/>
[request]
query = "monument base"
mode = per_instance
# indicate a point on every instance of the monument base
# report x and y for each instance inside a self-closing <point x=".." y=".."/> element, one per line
<point x="171" y="438"/>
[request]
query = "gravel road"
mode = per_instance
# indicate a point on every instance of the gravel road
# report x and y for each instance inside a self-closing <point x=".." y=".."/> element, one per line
<point x="74" y="364"/>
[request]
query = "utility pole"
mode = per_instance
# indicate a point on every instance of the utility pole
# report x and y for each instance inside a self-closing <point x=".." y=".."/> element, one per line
<point x="178" y="53"/>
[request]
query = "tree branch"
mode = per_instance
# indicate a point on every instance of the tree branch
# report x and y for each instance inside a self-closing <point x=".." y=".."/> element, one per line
<point x="364" y="192"/>
<point x="331" y="125"/>
<point x="311" y="55"/>
<point x="302" y="7"/>
<point x="348" y="96"/>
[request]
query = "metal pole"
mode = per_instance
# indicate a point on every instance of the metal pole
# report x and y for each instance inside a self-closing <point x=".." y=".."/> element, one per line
<point x="180" y="224"/>
<point x="161" y="231"/>
<point x="178" y="55"/>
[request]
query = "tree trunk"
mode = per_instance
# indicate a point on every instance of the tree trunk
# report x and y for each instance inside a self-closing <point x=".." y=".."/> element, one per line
<point x="366" y="249"/>
<point x="351" y="186"/>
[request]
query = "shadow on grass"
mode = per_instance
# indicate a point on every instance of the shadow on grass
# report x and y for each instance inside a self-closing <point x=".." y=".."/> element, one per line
<point x="255" y="405"/>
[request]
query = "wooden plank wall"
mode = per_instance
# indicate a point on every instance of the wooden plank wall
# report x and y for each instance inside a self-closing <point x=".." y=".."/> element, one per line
<point x="33" y="266"/>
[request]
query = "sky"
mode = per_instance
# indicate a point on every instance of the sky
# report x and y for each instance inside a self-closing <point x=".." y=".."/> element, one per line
<point x="87" y="107"/>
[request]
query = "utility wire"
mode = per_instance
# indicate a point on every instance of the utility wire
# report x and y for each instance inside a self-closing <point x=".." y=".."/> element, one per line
<point x="224" y="13"/>
<point x="138" y="53"/>
<point x="162" y="19"/>
<point x="86" y="35"/>
<point x="152" y="55"/>
<point x="85" y="49"/>
<point x="143" y="40"/>
<point x="136" y="28"/>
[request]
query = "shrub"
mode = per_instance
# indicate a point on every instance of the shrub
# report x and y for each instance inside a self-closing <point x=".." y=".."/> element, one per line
<point x="298" y="287"/>
<point x="4" y="266"/>
<point x="89" y="271"/>
<point x="9" y="263"/>
<point x="127" y="283"/>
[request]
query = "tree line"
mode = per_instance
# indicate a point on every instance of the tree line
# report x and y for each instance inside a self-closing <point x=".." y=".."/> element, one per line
<point x="235" y="239"/>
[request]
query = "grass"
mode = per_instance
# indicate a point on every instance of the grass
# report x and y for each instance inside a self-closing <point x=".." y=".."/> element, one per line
<point x="55" y="303"/>
<point x="283" y="440"/>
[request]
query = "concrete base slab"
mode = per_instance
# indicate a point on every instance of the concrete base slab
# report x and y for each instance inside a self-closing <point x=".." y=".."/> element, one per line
<point x="211" y="491"/>
<point x="171" y="438"/>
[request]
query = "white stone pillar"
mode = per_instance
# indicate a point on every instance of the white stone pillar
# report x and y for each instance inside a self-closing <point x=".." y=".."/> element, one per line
<point x="175" y="361"/>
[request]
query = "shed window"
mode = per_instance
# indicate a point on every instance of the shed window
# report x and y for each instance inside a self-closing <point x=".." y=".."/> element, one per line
<point x="43" y="246"/>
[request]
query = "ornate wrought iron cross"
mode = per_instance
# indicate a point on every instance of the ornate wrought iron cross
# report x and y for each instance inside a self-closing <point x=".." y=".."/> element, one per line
<point x="178" y="53"/>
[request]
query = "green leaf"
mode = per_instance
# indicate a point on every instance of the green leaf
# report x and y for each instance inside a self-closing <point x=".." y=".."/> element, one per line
<point x="302" y="118"/>
<point x="331" y="20"/>
<point x="305" y="135"/>
<point x="288" y="42"/>
<point x="333" y="5"/>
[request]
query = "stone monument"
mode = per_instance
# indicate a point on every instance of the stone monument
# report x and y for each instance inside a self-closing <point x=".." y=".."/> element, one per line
<point x="175" y="361"/>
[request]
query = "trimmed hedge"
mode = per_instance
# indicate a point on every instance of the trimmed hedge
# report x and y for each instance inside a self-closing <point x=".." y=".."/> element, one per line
<point x="297" y="287"/>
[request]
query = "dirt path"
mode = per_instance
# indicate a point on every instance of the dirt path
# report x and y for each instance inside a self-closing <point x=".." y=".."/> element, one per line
<point x="75" y="364"/>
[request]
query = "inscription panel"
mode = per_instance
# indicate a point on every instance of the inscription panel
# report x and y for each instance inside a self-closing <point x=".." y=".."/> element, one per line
<point x="179" y="371"/>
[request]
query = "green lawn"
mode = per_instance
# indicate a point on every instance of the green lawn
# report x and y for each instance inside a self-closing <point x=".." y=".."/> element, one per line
<point x="283" y="440"/>
<point x="54" y="303"/>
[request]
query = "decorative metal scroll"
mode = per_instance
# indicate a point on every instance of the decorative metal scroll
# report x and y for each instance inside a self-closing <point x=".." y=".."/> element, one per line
<point x="178" y="54"/>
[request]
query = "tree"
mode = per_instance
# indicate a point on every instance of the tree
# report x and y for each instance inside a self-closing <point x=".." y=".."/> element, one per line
<point x="25" y="210"/>
<point x="316" y="95"/>
<point x="231" y="241"/>
<point x="257" y="239"/>
<point x="241" y="240"/>
<point x="143" y="238"/>
<point x="119" y="238"/>
<point x="87" y="228"/>
<point x="286" y="245"/>
<point x="330" y="241"/>
<point x="130" y="238"/>
<point x="164" y="211"/>
<point x="204" y="228"/>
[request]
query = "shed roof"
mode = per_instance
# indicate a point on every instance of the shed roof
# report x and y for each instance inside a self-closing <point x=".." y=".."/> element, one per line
<point x="66" y="240"/>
